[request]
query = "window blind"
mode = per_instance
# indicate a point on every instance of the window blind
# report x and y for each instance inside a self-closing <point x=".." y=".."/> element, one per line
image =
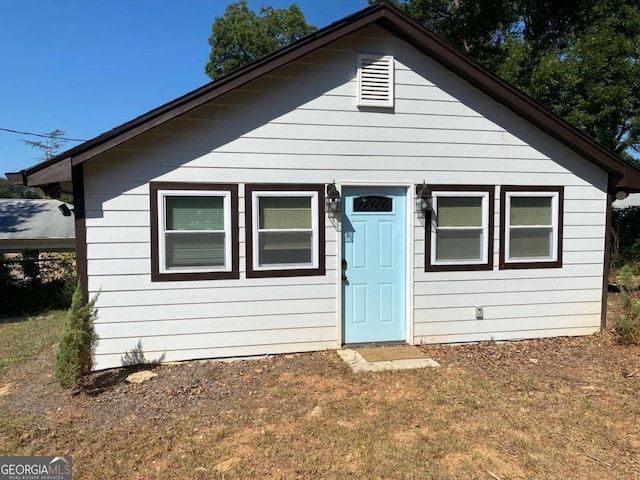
<point x="285" y="248"/>
<point x="195" y="250"/>
<point x="459" y="245"/>
<point x="531" y="242"/>
<point x="530" y="210"/>
<point x="459" y="211"/>
<point x="195" y="213"/>
<point x="279" y="213"/>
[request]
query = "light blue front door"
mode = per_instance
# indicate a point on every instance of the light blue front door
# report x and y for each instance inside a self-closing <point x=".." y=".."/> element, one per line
<point x="374" y="270"/>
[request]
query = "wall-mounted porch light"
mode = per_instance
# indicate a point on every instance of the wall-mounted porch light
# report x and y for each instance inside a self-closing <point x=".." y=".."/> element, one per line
<point x="423" y="198"/>
<point x="333" y="200"/>
<point x="621" y="195"/>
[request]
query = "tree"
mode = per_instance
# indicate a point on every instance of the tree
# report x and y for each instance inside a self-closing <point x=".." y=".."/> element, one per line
<point x="477" y="27"/>
<point x="577" y="57"/>
<point x="75" y="356"/>
<point x="9" y="190"/>
<point x="588" y="73"/>
<point x="51" y="146"/>
<point x="241" y="36"/>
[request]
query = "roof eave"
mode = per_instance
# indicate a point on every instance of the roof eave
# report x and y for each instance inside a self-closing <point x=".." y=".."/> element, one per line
<point x="16" y="178"/>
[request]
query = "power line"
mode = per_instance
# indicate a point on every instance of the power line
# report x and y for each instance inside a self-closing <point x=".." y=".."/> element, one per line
<point x="41" y="135"/>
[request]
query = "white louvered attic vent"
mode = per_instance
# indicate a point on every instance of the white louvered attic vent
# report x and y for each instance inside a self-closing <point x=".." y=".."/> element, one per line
<point x="375" y="81"/>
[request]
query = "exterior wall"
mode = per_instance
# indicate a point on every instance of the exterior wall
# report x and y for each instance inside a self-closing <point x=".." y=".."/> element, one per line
<point x="301" y="125"/>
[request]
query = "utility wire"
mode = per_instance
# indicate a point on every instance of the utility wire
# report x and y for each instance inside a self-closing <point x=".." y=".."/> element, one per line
<point x="41" y="135"/>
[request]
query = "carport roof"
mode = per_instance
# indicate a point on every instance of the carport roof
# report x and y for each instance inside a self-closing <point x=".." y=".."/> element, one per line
<point x="26" y="223"/>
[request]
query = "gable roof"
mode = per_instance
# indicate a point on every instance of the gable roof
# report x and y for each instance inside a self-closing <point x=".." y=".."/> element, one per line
<point x="623" y="176"/>
<point x="27" y="223"/>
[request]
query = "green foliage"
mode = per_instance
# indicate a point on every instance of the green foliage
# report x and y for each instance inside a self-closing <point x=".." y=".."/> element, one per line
<point x="241" y="36"/>
<point x="36" y="296"/>
<point x="9" y="190"/>
<point x="625" y="224"/>
<point x="477" y="28"/>
<point x="75" y="353"/>
<point x="627" y="330"/>
<point x="592" y="81"/>
<point x="34" y="290"/>
<point x="626" y="326"/>
<point x="577" y="57"/>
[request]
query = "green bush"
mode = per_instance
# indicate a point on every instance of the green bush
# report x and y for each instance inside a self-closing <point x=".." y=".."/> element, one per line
<point x="627" y="330"/>
<point x="30" y="295"/>
<point x="36" y="296"/>
<point x="77" y="346"/>
<point x="626" y="327"/>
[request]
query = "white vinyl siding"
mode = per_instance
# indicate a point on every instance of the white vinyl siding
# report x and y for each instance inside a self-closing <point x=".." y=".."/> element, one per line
<point x="194" y="231"/>
<point x="461" y="224"/>
<point x="532" y="226"/>
<point x="300" y="124"/>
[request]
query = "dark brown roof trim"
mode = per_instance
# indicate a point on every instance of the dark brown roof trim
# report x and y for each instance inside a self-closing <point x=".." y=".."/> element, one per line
<point x="16" y="178"/>
<point x="389" y="17"/>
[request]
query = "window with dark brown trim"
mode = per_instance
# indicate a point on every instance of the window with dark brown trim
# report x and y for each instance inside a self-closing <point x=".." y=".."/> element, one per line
<point x="285" y="230"/>
<point x="194" y="231"/>
<point x="459" y="232"/>
<point x="531" y="221"/>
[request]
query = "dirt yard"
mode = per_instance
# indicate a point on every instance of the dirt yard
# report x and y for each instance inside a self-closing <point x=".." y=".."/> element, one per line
<point x="563" y="408"/>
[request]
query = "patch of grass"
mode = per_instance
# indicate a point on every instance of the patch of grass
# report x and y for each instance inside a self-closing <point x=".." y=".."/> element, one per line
<point x="17" y="433"/>
<point x="25" y="337"/>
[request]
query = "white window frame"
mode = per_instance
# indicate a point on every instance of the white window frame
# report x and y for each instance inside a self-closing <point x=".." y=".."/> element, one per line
<point x="162" y="230"/>
<point x="484" y="247"/>
<point x="255" y="231"/>
<point x="555" y="214"/>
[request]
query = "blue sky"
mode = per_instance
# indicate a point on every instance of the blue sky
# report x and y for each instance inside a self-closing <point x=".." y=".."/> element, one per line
<point x="86" y="66"/>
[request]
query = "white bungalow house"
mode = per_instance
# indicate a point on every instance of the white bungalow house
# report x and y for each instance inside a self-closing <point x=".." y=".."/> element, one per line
<point x="366" y="184"/>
